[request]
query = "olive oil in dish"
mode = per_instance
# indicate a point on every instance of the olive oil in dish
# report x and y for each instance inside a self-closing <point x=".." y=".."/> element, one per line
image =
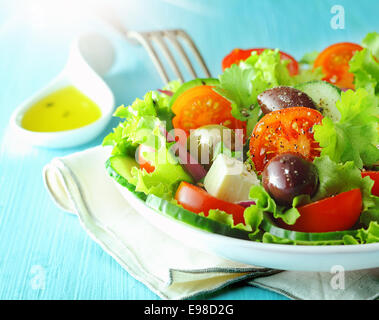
<point x="64" y="109"/>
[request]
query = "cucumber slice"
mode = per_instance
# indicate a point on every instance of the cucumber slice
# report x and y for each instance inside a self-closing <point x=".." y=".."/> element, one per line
<point x="325" y="95"/>
<point x="191" y="84"/>
<point x="193" y="219"/>
<point x="269" y="226"/>
<point x="119" y="168"/>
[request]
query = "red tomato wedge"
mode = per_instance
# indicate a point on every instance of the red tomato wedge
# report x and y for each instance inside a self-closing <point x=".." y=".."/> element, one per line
<point x="197" y="200"/>
<point x="334" y="61"/>
<point x="238" y="55"/>
<point x="285" y="130"/>
<point x="200" y="106"/>
<point x="143" y="162"/>
<point x="336" y="213"/>
<point x="374" y="175"/>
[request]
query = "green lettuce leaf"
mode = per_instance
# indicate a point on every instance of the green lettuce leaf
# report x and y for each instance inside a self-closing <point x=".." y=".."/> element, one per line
<point x="141" y="120"/>
<point x="365" y="64"/>
<point x="241" y="86"/>
<point x="264" y="203"/>
<point x="355" y="136"/>
<point x="369" y="235"/>
<point x="120" y="145"/>
<point x="164" y="180"/>
<point x="335" y="178"/>
<point x="144" y="119"/>
<point x="272" y="69"/>
<point x="371" y="214"/>
<point x="225" y="218"/>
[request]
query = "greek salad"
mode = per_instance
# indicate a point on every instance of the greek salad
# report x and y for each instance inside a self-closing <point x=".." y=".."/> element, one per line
<point x="274" y="150"/>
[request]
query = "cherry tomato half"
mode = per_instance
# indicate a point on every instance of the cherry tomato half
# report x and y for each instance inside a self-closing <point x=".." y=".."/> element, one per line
<point x="374" y="175"/>
<point x="238" y="55"/>
<point x="197" y="200"/>
<point x="334" y="61"/>
<point x="336" y="213"/>
<point x="285" y="130"/>
<point x="200" y="106"/>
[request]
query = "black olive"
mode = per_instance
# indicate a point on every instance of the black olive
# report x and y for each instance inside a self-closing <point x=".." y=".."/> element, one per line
<point x="283" y="97"/>
<point x="288" y="175"/>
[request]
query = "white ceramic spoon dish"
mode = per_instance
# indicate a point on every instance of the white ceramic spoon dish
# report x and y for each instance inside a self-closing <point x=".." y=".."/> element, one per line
<point x="91" y="56"/>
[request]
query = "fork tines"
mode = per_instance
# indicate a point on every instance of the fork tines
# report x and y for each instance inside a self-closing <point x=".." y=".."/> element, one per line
<point x="160" y="38"/>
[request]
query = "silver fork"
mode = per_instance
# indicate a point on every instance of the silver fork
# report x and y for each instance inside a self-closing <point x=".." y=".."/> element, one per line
<point x="161" y="38"/>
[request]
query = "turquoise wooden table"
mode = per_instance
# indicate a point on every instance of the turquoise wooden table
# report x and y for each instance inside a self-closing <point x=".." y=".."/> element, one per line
<point x="44" y="253"/>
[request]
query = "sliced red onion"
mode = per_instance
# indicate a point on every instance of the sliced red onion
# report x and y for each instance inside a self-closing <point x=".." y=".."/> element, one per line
<point x="166" y="92"/>
<point x="246" y="203"/>
<point x="195" y="169"/>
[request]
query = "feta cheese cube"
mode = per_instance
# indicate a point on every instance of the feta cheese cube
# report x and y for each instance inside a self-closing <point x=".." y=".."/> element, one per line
<point x="229" y="180"/>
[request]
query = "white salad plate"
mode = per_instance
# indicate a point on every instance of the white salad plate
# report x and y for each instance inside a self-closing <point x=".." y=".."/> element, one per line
<point x="277" y="256"/>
